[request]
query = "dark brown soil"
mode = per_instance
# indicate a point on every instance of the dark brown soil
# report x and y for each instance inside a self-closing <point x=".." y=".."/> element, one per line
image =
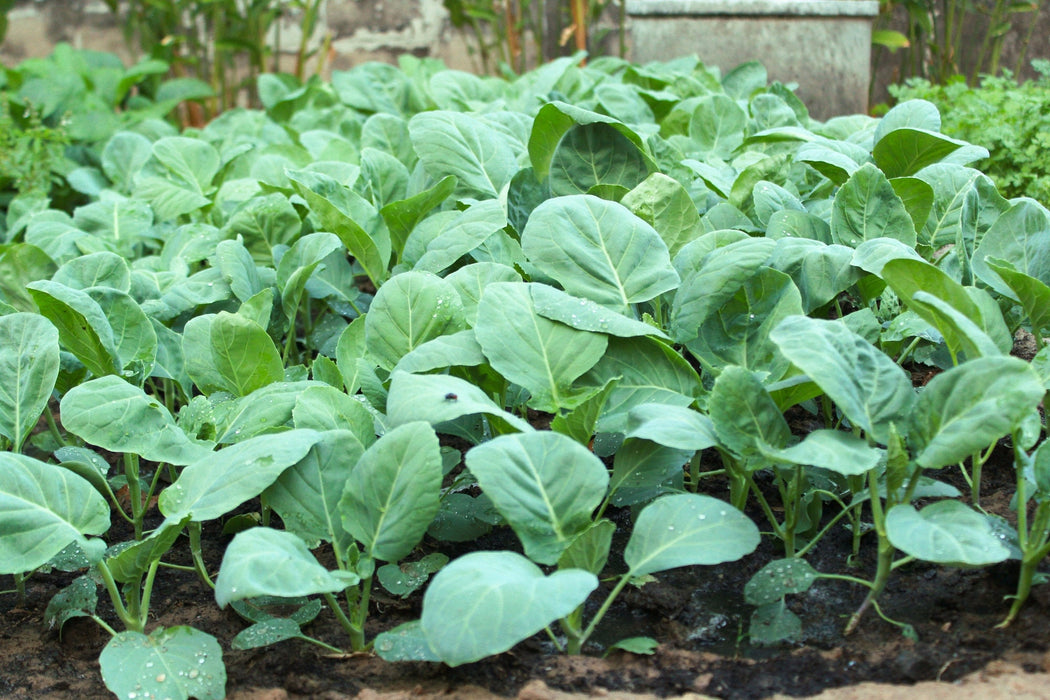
<point x="697" y="613"/>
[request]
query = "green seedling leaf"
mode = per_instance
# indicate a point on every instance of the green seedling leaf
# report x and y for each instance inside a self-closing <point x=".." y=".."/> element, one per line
<point x="960" y="333"/>
<point x="486" y="602"/>
<point x="543" y="356"/>
<point x="323" y="407"/>
<point x="266" y="562"/>
<point x="265" y="633"/>
<point x="20" y="264"/>
<point x="463" y="518"/>
<point x="133" y="334"/>
<point x="906" y="150"/>
<point x="598" y="250"/>
<point x="78" y="599"/>
<point x="456" y="350"/>
<point x="460" y="144"/>
<point x="581" y="422"/>
<point x="336" y="208"/>
<point x="1021" y="237"/>
<point x="465" y="232"/>
<point x="634" y="645"/>
<point x="672" y="426"/>
<point x="589" y="551"/>
<point x="545" y="484"/>
<point x="643" y="470"/>
<point x="298" y="264"/>
<point x="834" y="450"/>
<point x="866" y="385"/>
<point x="778" y="579"/>
<point x="1033" y="294"/>
<point x="406" y="642"/>
<point x="402" y="216"/>
<point x="270" y="607"/>
<point x="867" y="207"/>
<point x="649" y="371"/>
<point x="917" y="114"/>
<point x="130" y="563"/>
<point x="969" y="407"/>
<point x="774" y="623"/>
<point x="43" y="508"/>
<point x="119" y="417"/>
<point x="713" y="280"/>
<point x="745" y="418"/>
<point x="687" y="530"/>
<point x="406" y="578"/>
<point x="946" y="532"/>
<point x="103" y="269"/>
<point x="29" y="363"/>
<point x="410" y="309"/>
<point x="244" y="354"/>
<point x="470" y="281"/>
<point x="717" y="126"/>
<point x="394" y="492"/>
<point x="665" y="204"/>
<point x="172" y="662"/>
<point x="586" y="315"/>
<point x="82" y="325"/>
<point x="218" y="483"/>
<point x="350" y="353"/>
<point x="738" y="332"/>
<point x="441" y="398"/>
<point x="262" y="411"/>
<point x="595" y="157"/>
<point x="820" y="271"/>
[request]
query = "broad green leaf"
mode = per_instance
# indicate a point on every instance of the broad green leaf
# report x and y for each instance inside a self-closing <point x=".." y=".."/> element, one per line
<point x="439" y="399"/>
<point x="746" y="419"/>
<point x="819" y="271"/>
<point x="486" y="602"/>
<point x="265" y="221"/>
<point x="29" y="363"/>
<point x="406" y="642"/>
<point x="871" y="256"/>
<point x="394" y="492"/>
<point x="406" y="578"/>
<point x="324" y="407"/>
<point x="402" y="216"/>
<point x="774" y="623"/>
<point x="866" y="385"/>
<point x="122" y="221"/>
<point x="778" y="579"/>
<point x="907" y="150"/>
<point x="218" y="483"/>
<point x="586" y="315"/>
<point x="244" y="354"/>
<point x="836" y="160"/>
<point x="649" y="371"/>
<point x="545" y="484"/>
<point x="555" y="119"/>
<point x="43" y="508"/>
<point x="917" y="196"/>
<point x="82" y="326"/>
<point x="410" y="309"/>
<point x="634" y="645"/>
<point x="263" y="561"/>
<point x="120" y="417"/>
<point x="673" y="426"/>
<point x="124" y="157"/>
<point x="687" y="530"/>
<point x="834" y="450"/>
<point x="738" y="332"/>
<point x="350" y="353"/>
<point x="265" y="633"/>
<point x="171" y="662"/>
<point x="960" y="333"/>
<point x="306" y="495"/>
<point x="337" y="211"/>
<point x="78" y="599"/>
<point x="191" y="161"/>
<point x="946" y="532"/>
<point x="456" y="350"/>
<point x="466" y="231"/>
<point x="21" y="264"/>
<point x="665" y="204"/>
<point x="967" y="408"/>
<point x="102" y="269"/>
<point x="917" y="114"/>
<point x="867" y="207"/>
<point x="581" y="422"/>
<point x="459" y="144"/>
<point x="298" y="264"/>
<point x="1033" y="294"/>
<point x="133" y="334"/>
<point x="265" y="410"/>
<point x="545" y="357"/>
<point x="128" y="565"/>
<point x="717" y="126"/>
<point x="598" y="250"/>
<point x="590" y="549"/>
<point x="595" y="155"/>
<point x="643" y="470"/>
<point x="713" y="281"/>
<point x="1021" y="237"/>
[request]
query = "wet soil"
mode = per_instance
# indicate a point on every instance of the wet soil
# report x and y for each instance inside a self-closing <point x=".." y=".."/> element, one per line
<point x="697" y="613"/>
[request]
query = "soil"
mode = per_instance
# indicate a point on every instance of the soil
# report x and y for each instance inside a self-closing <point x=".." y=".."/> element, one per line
<point x="697" y="613"/>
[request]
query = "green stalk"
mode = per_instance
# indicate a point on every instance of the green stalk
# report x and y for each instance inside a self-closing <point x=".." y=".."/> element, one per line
<point x="575" y="646"/>
<point x="131" y="622"/>
<point x="198" y="555"/>
<point x="52" y="427"/>
<point x="20" y="588"/>
<point x="885" y="560"/>
<point x="359" y="613"/>
<point x="355" y="636"/>
<point x="131" y="471"/>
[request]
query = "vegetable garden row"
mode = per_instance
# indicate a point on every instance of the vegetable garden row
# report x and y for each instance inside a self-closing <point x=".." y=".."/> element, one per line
<point x="365" y="304"/>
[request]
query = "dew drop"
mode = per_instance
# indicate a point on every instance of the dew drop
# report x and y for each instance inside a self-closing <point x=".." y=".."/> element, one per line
<point x="161" y="677"/>
<point x="701" y="517"/>
<point x="386" y="645"/>
<point x="194" y="673"/>
<point x="670" y="527"/>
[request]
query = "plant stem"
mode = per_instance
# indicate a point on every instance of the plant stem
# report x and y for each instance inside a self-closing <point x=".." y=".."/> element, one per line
<point x="131" y="471"/>
<point x="130" y="621"/>
<point x="20" y="588"/>
<point x="52" y="427"/>
<point x="198" y="555"/>
<point x="885" y="560"/>
<point x="359" y="614"/>
<point x="356" y="636"/>
<point x="602" y="610"/>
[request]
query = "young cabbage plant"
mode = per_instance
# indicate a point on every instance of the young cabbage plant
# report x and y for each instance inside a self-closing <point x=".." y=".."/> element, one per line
<point x="552" y="490"/>
<point x="372" y="503"/>
<point x="960" y="411"/>
<point x="1033" y="527"/>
